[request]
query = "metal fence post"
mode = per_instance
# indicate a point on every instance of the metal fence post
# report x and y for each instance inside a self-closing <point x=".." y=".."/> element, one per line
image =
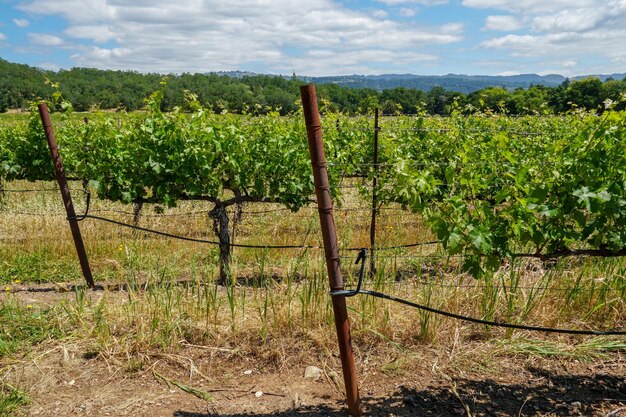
<point x="331" y="250"/>
<point x="59" y="174"/>
<point x="374" y="197"/>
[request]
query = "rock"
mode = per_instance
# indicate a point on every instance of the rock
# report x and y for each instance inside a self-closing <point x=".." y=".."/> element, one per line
<point x="258" y="394"/>
<point x="312" y="372"/>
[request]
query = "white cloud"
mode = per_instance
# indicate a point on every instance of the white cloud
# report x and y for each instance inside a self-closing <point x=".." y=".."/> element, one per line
<point x="45" y="39"/>
<point x="533" y="6"/>
<point x="421" y="2"/>
<point x="503" y="23"/>
<point x="380" y="13"/>
<point x="563" y="32"/>
<point x="452" y="28"/>
<point x="104" y="53"/>
<point x="98" y="33"/>
<point x="559" y="44"/>
<point x="48" y="66"/>
<point x="2" y="36"/>
<point x="408" y="12"/>
<point x="73" y="10"/>
<point x="328" y="62"/>
<point x="22" y="23"/>
<point x="202" y="35"/>
<point x="569" y="64"/>
<point x="569" y="20"/>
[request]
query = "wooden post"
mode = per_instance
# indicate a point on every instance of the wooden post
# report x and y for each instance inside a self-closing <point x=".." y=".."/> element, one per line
<point x="329" y="234"/>
<point x="59" y="174"/>
<point x="374" y="197"/>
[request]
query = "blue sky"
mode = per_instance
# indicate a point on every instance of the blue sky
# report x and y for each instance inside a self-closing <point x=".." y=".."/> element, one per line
<point x="323" y="37"/>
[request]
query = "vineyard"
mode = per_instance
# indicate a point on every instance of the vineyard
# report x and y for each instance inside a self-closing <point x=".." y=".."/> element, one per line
<point x="516" y="220"/>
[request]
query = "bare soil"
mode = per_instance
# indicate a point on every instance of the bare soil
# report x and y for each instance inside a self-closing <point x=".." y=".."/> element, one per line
<point x="68" y="383"/>
<point x="63" y="379"/>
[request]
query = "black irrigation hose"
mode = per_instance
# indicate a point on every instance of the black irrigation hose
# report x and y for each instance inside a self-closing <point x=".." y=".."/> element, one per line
<point x="213" y="242"/>
<point x="351" y="293"/>
<point x="569" y="253"/>
<point x="191" y="239"/>
<point x="234" y="245"/>
<point x="485" y="322"/>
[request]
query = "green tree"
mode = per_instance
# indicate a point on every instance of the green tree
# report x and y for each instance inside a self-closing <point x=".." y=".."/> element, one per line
<point x="584" y="93"/>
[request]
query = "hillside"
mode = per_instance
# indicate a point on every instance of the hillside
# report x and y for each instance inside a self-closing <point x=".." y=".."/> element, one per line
<point x="242" y="92"/>
<point x="465" y="84"/>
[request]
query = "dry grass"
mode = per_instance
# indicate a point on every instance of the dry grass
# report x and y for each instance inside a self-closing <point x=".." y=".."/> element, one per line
<point x="160" y="295"/>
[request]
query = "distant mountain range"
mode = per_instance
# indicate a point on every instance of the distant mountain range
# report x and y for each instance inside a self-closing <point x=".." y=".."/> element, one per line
<point x="454" y="82"/>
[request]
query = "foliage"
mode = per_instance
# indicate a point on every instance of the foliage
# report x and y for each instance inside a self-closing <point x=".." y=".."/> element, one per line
<point x="489" y="186"/>
<point x="493" y="187"/>
<point x="90" y="89"/>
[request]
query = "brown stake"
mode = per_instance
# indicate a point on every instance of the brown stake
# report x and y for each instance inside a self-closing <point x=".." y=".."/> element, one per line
<point x="59" y="174"/>
<point x="331" y="250"/>
<point x="374" y="196"/>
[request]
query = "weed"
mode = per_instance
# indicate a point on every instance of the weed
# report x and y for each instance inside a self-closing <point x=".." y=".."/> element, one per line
<point x="24" y="327"/>
<point x="12" y="400"/>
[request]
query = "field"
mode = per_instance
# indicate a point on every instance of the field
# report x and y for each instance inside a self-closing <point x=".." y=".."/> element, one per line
<point x="162" y="334"/>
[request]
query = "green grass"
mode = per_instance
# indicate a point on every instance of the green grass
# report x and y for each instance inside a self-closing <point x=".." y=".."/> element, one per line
<point x="24" y="326"/>
<point x="171" y="293"/>
<point x="37" y="267"/>
<point x="12" y="400"/>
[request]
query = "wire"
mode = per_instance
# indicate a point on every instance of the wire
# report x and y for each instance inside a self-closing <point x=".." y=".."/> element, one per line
<point x="384" y="129"/>
<point x="24" y="213"/>
<point x="409" y="245"/>
<point x="395" y="257"/>
<point x="190" y="239"/>
<point x="41" y="190"/>
<point x="128" y="213"/>
<point x="497" y="287"/>
<point x="386" y="248"/>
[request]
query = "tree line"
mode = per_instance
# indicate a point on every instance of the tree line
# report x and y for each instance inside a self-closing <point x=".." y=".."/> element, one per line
<point x="89" y="88"/>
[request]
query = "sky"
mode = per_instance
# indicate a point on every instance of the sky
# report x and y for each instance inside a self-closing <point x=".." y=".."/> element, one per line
<point x="319" y="37"/>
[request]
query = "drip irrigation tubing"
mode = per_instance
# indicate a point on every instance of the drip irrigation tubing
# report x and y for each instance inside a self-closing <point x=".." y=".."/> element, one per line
<point x="190" y="239"/>
<point x="234" y="245"/>
<point x="351" y="293"/>
<point x="480" y="321"/>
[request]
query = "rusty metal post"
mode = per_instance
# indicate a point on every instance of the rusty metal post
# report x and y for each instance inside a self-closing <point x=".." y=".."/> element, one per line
<point x="59" y="174"/>
<point x="374" y="196"/>
<point x="331" y="250"/>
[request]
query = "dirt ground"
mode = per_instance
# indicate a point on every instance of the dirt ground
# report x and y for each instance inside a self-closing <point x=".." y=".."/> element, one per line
<point x="64" y="383"/>
<point x="63" y="379"/>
